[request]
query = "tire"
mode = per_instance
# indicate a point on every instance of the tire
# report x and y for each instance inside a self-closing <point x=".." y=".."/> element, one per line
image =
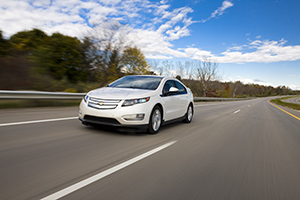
<point x="189" y="114"/>
<point x="155" y="121"/>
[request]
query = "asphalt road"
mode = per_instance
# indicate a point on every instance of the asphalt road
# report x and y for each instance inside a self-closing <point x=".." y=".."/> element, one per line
<point x="231" y="150"/>
<point x="295" y="100"/>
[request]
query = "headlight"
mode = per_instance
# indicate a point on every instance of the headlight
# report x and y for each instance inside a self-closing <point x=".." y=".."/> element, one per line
<point x="86" y="97"/>
<point x="130" y="102"/>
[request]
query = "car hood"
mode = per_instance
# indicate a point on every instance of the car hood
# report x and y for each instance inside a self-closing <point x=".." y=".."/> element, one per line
<point x="120" y="93"/>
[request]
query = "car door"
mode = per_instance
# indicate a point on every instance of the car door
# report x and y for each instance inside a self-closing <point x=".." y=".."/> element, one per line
<point x="171" y="101"/>
<point x="183" y="99"/>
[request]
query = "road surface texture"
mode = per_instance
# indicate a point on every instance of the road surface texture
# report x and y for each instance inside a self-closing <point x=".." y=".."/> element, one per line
<point x="231" y="150"/>
<point x="295" y="100"/>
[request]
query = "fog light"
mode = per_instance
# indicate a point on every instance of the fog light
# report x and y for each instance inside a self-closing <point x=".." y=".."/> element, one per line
<point x="140" y="116"/>
<point x="134" y="117"/>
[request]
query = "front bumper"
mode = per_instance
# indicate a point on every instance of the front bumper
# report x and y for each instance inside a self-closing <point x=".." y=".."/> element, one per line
<point x="120" y="127"/>
<point x="117" y="117"/>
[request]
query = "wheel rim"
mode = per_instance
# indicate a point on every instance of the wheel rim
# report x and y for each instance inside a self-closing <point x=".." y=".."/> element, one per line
<point x="156" y="120"/>
<point x="190" y="113"/>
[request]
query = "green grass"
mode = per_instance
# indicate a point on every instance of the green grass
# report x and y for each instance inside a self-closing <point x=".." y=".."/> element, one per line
<point x="289" y="105"/>
<point x="37" y="103"/>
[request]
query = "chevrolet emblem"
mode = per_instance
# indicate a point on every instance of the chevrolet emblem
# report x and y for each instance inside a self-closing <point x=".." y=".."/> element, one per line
<point x="100" y="103"/>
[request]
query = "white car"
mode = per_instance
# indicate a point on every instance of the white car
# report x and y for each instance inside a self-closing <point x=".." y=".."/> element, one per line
<point x="141" y="102"/>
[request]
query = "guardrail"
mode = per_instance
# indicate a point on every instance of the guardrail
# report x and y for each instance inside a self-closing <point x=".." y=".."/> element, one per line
<point x="6" y="94"/>
<point x="218" y="99"/>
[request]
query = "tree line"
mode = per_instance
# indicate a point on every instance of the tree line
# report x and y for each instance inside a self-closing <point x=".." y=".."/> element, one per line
<point x="203" y="78"/>
<point x="33" y="60"/>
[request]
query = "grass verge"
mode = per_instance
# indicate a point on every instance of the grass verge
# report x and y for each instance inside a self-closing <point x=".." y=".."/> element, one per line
<point x="37" y="103"/>
<point x="285" y="104"/>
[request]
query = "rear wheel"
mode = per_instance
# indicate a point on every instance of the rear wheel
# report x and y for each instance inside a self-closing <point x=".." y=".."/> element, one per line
<point x="155" y="120"/>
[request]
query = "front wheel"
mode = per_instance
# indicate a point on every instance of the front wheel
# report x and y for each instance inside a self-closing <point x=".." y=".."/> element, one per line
<point x="189" y="114"/>
<point x="155" y="120"/>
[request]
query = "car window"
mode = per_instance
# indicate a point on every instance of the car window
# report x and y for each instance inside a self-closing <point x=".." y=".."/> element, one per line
<point x="181" y="88"/>
<point x="168" y="85"/>
<point x="176" y="84"/>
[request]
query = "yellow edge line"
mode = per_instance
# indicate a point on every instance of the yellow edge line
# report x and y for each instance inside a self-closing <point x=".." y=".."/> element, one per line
<point x="284" y="110"/>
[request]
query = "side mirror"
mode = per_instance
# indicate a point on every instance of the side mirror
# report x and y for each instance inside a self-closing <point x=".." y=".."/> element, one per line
<point x="173" y="90"/>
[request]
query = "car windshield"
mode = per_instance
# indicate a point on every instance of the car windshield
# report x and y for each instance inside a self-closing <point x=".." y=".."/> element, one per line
<point x="137" y="82"/>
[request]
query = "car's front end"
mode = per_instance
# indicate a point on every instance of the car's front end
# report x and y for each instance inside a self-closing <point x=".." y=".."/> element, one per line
<point x="119" y="106"/>
<point x="116" y="112"/>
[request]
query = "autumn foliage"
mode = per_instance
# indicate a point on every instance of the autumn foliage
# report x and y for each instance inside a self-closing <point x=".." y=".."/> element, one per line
<point x="33" y="60"/>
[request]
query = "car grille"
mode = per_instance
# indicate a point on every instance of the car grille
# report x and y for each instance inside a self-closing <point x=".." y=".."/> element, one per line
<point x="103" y="103"/>
<point x="101" y="120"/>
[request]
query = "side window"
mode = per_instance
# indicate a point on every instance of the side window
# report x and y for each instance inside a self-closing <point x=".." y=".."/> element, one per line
<point x="181" y="88"/>
<point x="168" y="85"/>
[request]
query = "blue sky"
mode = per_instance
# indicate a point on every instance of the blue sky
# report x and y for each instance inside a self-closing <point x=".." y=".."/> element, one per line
<point x="255" y="41"/>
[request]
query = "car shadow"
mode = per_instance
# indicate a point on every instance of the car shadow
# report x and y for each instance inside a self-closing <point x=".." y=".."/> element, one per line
<point x="115" y="130"/>
<point x="111" y="130"/>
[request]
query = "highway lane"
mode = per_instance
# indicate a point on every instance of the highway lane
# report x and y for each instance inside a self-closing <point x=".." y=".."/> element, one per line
<point x="231" y="150"/>
<point x="295" y="100"/>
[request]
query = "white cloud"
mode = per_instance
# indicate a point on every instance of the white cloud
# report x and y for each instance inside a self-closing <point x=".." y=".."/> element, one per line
<point x="257" y="51"/>
<point x="161" y="9"/>
<point x="42" y="3"/>
<point x="177" y="33"/>
<point x="220" y="11"/>
<point x="160" y="26"/>
<point x="174" y="17"/>
<point x="70" y="29"/>
<point x="21" y="15"/>
<point x="262" y="51"/>
<point x="258" y="82"/>
<point x="153" y="45"/>
<point x="110" y="2"/>
<point x="56" y="15"/>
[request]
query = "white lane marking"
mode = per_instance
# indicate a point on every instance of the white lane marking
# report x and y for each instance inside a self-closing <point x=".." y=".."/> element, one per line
<point x="237" y="111"/>
<point x="105" y="173"/>
<point x="37" y="121"/>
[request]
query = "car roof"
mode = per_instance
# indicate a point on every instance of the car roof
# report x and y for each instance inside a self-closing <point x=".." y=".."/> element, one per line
<point x="149" y="76"/>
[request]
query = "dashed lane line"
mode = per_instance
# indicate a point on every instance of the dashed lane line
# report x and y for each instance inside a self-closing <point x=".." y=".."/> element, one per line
<point x="237" y="111"/>
<point x="105" y="173"/>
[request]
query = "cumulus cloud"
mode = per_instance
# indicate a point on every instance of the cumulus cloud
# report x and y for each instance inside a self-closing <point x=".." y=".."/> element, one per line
<point x="155" y="26"/>
<point x="261" y="51"/>
<point x="52" y="15"/>
<point x="174" y="17"/>
<point x="24" y="15"/>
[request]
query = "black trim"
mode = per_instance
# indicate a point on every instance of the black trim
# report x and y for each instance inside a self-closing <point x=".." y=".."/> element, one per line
<point x="101" y="120"/>
<point x="121" y="127"/>
<point x="174" y="120"/>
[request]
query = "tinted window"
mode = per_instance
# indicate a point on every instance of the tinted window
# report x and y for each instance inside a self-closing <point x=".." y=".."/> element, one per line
<point x="168" y="85"/>
<point x="181" y="88"/>
<point x="137" y="82"/>
<point x="176" y="84"/>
